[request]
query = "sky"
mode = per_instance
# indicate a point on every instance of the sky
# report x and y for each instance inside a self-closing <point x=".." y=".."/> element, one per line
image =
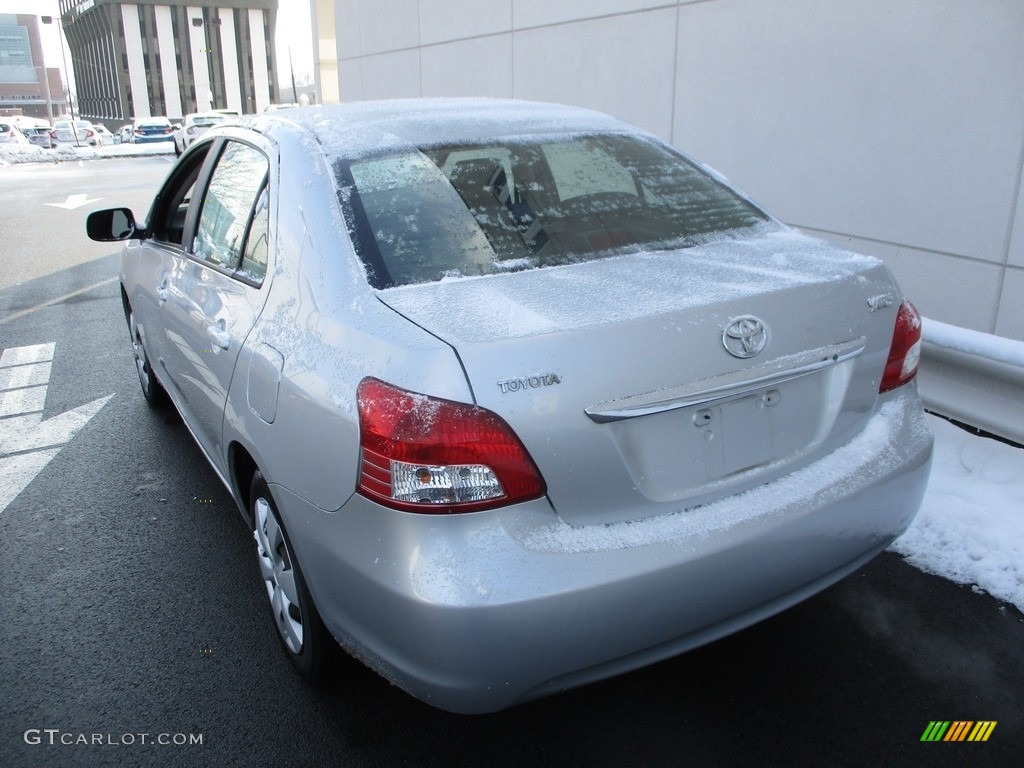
<point x="293" y="32"/>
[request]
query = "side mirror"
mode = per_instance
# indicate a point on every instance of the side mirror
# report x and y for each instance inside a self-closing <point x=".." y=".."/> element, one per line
<point x="113" y="224"/>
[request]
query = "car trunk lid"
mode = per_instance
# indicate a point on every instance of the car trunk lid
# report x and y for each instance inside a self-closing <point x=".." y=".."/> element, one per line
<point x="628" y="379"/>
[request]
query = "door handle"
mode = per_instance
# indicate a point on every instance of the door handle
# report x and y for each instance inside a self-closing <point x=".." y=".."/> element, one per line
<point x="219" y="334"/>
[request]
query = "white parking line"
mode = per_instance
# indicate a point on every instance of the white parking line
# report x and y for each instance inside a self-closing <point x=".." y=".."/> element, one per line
<point x="27" y="400"/>
<point x="30" y="375"/>
<point x="35" y="353"/>
<point x="27" y="443"/>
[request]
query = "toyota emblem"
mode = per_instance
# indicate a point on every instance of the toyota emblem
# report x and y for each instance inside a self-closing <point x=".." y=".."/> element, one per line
<point x="745" y="336"/>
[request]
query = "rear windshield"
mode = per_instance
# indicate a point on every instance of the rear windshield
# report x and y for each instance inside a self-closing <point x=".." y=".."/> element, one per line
<point x="453" y="211"/>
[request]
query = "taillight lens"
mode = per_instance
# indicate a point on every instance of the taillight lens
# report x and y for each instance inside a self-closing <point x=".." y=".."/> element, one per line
<point x="424" y="454"/>
<point x="905" y="352"/>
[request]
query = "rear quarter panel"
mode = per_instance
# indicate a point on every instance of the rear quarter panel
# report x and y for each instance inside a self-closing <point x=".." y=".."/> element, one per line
<point x="325" y="331"/>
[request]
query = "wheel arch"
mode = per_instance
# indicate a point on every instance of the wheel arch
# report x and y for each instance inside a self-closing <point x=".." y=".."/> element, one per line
<point x="243" y="468"/>
<point x="126" y="305"/>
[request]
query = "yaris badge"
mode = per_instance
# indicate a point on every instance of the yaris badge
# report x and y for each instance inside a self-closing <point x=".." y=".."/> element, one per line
<point x="744" y="336"/>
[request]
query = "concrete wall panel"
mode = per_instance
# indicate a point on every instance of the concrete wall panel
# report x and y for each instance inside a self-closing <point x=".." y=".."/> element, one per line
<point x="1016" y="251"/>
<point x="1010" y="321"/>
<point x="899" y="126"/>
<point x="537" y="13"/>
<point x="444" y="20"/>
<point x="391" y="75"/>
<point x="346" y="27"/>
<point x="618" y="65"/>
<point x="350" y="80"/>
<point x="454" y="69"/>
<point x="387" y="25"/>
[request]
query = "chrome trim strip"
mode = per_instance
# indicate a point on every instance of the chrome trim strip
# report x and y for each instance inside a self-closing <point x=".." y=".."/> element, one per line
<point x="729" y="385"/>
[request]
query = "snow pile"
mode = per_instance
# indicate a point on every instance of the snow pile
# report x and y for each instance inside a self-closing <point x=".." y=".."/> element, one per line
<point x="10" y="154"/>
<point x="971" y="525"/>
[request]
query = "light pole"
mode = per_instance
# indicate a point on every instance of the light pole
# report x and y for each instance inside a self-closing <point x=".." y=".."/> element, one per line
<point x="215" y="22"/>
<point x="291" y="66"/>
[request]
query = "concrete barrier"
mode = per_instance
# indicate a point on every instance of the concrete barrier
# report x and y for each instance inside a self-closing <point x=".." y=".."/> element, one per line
<point x="973" y="377"/>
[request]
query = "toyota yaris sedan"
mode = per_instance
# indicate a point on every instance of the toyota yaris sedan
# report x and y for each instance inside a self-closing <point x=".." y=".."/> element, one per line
<point x="514" y="396"/>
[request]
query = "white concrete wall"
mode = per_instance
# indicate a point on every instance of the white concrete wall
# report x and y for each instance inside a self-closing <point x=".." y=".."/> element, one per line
<point x="200" y="60"/>
<point x="260" y="74"/>
<point x="136" y="61"/>
<point x="168" y="64"/>
<point x="896" y="128"/>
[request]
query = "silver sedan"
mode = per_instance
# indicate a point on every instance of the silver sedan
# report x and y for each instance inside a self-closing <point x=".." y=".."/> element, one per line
<point x="513" y="396"/>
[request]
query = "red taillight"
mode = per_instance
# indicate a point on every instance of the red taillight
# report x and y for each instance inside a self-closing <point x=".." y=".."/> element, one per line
<point x="905" y="352"/>
<point x="424" y="454"/>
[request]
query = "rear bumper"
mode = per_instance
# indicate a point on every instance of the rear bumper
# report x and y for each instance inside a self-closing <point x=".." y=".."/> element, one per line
<point x="474" y="613"/>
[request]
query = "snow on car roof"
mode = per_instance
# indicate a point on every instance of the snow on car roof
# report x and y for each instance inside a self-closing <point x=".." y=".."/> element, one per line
<point x="360" y="128"/>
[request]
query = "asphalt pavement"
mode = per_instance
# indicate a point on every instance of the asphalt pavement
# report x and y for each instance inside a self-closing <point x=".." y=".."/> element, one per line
<point x="134" y="631"/>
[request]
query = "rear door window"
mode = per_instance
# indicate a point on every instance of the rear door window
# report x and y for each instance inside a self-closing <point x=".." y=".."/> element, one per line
<point x="234" y="201"/>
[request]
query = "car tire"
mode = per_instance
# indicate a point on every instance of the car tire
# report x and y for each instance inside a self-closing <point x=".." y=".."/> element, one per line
<point x="305" y="639"/>
<point x="152" y="389"/>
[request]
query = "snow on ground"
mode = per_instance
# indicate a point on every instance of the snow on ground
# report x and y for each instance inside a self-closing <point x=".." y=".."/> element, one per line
<point x="971" y="525"/>
<point x="13" y="154"/>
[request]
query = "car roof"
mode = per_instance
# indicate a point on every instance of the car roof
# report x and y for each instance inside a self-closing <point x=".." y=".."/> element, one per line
<point x="361" y="128"/>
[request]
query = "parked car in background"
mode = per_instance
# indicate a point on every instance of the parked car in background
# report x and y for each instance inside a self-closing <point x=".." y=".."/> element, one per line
<point x="11" y="134"/>
<point x="42" y="137"/>
<point x="512" y="396"/>
<point x="193" y="126"/>
<point x="150" y="129"/>
<point x="104" y="134"/>
<point x="79" y="132"/>
<point x="123" y="135"/>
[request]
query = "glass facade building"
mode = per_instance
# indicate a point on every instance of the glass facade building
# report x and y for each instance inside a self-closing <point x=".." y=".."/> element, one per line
<point x="170" y="58"/>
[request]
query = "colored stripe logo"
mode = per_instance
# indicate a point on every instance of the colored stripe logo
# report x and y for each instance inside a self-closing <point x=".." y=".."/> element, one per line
<point x="958" y="730"/>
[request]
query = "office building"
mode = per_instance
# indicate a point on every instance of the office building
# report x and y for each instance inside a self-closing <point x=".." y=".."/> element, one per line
<point x="27" y="86"/>
<point x="170" y="57"/>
